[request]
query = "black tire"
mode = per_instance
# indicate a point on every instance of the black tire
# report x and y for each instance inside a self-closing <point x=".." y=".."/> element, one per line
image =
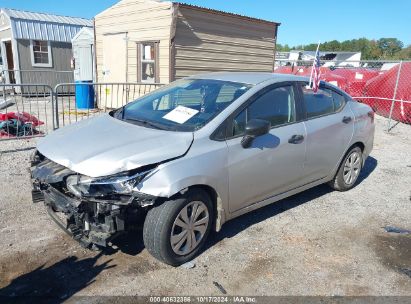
<point x="159" y="223"/>
<point x="338" y="183"/>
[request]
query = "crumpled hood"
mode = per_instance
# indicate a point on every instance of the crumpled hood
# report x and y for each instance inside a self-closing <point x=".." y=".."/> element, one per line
<point x="104" y="146"/>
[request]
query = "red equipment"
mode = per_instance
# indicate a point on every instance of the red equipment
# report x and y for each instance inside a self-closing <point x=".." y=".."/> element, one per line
<point x="383" y="86"/>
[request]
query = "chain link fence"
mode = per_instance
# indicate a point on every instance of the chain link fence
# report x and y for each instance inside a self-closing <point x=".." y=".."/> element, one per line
<point x="383" y="85"/>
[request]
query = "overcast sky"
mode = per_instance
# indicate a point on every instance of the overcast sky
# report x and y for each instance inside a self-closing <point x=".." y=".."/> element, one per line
<point x="302" y="22"/>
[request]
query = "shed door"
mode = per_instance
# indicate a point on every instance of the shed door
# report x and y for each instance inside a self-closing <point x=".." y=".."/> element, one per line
<point x="114" y="71"/>
<point x="115" y="57"/>
<point x="10" y="62"/>
<point x="85" y="65"/>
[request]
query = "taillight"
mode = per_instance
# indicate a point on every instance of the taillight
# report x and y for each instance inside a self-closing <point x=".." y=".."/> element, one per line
<point x="371" y="115"/>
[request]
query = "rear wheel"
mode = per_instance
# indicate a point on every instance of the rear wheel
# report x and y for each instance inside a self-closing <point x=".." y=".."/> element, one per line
<point x="175" y="231"/>
<point x="349" y="171"/>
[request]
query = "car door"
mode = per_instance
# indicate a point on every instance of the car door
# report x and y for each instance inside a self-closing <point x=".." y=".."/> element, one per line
<point x="274" y="162"/>
<point x="330" y="127"/>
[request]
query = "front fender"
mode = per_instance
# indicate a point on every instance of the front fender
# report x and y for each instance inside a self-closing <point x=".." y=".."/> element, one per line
<point x="204" y="164"/>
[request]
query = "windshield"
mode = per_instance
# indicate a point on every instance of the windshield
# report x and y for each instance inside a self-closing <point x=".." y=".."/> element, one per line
<point x="184" y="105"/>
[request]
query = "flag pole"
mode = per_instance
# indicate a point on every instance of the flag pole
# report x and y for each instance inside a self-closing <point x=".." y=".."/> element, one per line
<point x="312" y="68"/>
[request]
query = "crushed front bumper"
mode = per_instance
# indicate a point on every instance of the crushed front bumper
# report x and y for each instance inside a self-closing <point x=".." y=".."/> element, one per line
<point x="89" y="221"/>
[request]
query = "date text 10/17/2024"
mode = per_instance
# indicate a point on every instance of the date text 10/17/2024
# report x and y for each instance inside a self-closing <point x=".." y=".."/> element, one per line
<point x="203" y="299"/>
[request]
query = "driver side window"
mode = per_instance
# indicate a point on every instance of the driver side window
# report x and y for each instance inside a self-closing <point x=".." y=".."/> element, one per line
<point x="276" y="106"/>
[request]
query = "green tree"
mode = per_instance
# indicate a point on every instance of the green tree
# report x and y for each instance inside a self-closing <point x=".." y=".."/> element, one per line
<point x="390" y="46"/>
<point x="283" y="48"/>
<point x="375" y="52"/>
<point x="404" y="54"/>
<point x="384" y="48"/>
<point x="310" y="47"/>
<point x="332" y="46"/>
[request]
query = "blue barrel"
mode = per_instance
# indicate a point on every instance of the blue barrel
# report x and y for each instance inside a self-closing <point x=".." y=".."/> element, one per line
<point x="84" y="95"/>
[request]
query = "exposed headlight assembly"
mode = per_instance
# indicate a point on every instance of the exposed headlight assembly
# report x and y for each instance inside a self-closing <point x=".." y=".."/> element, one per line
<point x="122" y="184"/>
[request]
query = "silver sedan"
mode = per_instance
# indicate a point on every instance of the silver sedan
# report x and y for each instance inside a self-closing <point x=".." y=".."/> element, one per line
<point x="196" y="153"/>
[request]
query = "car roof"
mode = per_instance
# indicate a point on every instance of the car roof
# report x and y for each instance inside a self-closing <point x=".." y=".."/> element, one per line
<point x="252" y="78"/>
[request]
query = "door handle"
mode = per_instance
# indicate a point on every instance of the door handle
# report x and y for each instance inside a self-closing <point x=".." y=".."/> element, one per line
<point x="296" y="139"/>
<point x="347" y="119"/>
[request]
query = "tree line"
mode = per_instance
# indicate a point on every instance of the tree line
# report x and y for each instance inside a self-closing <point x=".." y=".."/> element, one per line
<point x="384" y="48"/>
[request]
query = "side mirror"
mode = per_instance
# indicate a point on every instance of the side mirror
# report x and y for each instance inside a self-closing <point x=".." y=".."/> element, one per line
<point x="253" y="129"/>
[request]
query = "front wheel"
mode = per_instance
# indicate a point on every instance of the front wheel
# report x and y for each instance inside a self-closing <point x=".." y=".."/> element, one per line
<point x="349" y="171"/>
<point x="175" y="231"/>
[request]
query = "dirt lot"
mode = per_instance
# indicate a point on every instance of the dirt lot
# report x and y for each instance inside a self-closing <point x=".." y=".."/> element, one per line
<point x="319" y="242"/>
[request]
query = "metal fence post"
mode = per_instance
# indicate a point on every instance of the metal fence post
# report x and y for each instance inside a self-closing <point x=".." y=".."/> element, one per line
<point x="3" y="81"/>
<point x="394" y="97"/>
<point x="52" y="108"/>
<point x="56" y="108"/>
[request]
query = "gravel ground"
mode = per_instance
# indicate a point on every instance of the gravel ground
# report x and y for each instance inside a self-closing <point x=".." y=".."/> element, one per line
<point x="318" y="242"/>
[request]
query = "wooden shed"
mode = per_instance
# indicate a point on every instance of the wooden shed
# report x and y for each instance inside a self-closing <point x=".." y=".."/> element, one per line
<point x="160" y="41"/>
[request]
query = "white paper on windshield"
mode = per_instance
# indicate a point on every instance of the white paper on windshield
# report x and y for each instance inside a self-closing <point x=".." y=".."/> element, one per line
<point x="180" y="114"/>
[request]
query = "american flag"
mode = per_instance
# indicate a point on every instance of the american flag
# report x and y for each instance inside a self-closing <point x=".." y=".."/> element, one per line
<point x="317" y="71"/>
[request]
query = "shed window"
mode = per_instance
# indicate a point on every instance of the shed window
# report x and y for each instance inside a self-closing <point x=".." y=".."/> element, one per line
<point x="41" y="53"/>
<point x="148" y="62"/>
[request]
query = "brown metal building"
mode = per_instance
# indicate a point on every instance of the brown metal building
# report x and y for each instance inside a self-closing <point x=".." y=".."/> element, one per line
<point x="160" y="41"/>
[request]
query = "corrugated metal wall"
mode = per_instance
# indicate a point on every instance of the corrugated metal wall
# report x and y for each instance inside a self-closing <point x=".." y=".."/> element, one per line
<point x="42" y="17"/>
<point x="210" y="42"/>
<point x="29" y="29"/>
<point x="141" y="20"/>
<point x="40" y="26"/>
<point x="205" y="41"/>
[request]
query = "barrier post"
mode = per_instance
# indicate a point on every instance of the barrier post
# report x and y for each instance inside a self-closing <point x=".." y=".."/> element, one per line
<point x="394" y="97"/>
<point x="56" y="108"/>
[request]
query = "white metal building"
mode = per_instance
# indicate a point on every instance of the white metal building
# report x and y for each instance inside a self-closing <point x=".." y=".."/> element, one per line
<point x="333" y="58"/>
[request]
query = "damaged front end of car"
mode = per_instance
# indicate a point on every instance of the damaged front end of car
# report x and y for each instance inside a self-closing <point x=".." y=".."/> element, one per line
<point x="92" y="210"/>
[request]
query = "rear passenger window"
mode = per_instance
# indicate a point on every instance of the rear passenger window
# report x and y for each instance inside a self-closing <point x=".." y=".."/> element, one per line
<point x="318" y="104"/>
<point x="276" y="106"/>
<point x="339" y="101"/>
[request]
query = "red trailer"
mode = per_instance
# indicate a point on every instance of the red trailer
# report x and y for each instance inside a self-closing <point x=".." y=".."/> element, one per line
<point x="382" y="88"/>
<point x="288" y="69"/>
<point x="356" y="79"/>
